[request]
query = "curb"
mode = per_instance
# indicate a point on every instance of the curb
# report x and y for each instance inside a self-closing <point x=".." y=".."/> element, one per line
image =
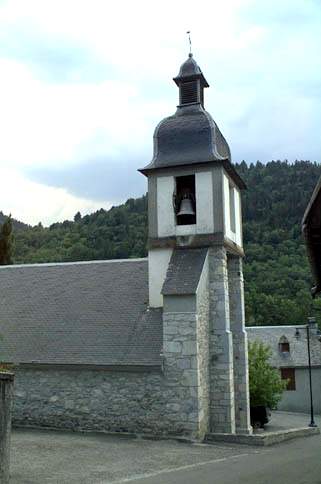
<point x="270" y="438"/>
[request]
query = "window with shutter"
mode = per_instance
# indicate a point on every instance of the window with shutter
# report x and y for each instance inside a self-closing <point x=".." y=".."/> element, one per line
<point x="289" y="374"/>
<point x="284" y="346"/>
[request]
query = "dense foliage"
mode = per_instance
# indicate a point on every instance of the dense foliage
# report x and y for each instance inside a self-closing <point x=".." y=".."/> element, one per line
<point x="277" y="276"/>
<point x="266" y="385"/>
<point x="118" y="233"/>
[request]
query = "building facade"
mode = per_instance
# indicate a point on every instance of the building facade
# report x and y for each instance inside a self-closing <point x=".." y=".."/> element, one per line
<point x="156" y="345"/>
<point x="290" y="355"/>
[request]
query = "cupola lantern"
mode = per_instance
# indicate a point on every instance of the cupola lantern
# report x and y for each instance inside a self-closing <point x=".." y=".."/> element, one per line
<point x="191" y="83"/>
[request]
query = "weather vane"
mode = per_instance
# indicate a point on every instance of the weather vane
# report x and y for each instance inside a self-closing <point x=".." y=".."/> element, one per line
<point x="190" y="42"/>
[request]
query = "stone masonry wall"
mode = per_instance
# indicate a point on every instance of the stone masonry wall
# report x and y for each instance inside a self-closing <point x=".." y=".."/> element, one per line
<point x="222" y="405"/>
<point x="240" y="351"/>
<point x="6" y="395"/>
<point x="174" y="401"/>
<point x="203" y="349"/>
<point x="181" y="370"/>
<point x="103" y="400"/>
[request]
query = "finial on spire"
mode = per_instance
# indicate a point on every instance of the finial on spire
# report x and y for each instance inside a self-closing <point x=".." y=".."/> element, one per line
<point x="190" y="43"/>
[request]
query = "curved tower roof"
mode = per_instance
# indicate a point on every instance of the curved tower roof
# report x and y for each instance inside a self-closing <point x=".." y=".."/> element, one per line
<point x="190" y="136"/>
<point x="190" y="69"/>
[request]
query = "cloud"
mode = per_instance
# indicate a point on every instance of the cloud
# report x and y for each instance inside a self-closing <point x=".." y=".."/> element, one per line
<point x="97" y="179"/>
<point x="83" y="84"/>
<point x="51" y="59"/>
<point x="32" y="202"/>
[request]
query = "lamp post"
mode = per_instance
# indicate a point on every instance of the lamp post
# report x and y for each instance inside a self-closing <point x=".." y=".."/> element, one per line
<point x="311" y="321"/>
<point x="311" y="324"/>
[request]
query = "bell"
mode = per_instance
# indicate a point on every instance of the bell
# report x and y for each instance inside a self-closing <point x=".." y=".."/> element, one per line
<point x="186" y="207"/>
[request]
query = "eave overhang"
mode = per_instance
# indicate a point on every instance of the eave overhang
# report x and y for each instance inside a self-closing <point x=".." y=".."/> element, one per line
<point x="311" y="229"/>
<point x="229" y="168"/>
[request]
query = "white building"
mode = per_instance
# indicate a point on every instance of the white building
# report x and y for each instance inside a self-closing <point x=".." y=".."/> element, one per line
<point x="290" y="354"/>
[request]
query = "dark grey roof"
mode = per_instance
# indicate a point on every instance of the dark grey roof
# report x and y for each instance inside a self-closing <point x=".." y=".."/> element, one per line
<point x="311" y="227"/>
<point x="189" y="67"/>
<point x="298" y="355"/>
<point x="313" y="200"/>
<point x="91" y="313"/>
<point x="184" y="271"/>
<point x="190" y="70"/>
<point x="188" y="137"/>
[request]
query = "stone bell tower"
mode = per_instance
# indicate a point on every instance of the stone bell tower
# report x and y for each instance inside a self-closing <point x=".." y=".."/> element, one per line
<point x="195" y="227"/>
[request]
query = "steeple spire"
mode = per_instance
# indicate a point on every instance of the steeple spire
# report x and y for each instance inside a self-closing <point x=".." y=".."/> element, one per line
<point x="190" y="42"/>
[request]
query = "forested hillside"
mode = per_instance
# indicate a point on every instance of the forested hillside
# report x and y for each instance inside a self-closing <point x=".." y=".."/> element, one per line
<point x="277" y="276"/>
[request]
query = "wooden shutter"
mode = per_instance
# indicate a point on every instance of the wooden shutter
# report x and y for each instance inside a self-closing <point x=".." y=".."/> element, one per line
<point x="289" y="374"/>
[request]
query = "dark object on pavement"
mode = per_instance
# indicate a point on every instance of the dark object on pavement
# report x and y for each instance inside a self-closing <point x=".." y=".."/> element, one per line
<point x="260" y="415"/>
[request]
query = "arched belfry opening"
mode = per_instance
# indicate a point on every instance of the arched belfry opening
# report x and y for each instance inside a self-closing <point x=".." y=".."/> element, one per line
<point x="185" y="200"/>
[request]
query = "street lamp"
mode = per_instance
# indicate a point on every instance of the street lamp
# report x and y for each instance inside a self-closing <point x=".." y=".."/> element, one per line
<point x="311" y="321"/>
<point x="311" y="324"/>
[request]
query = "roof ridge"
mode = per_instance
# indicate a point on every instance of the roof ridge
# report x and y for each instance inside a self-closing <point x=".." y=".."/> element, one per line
<point x="54" y="264"/>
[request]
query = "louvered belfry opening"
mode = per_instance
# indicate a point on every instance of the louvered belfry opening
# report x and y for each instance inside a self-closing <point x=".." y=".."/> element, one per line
<point x="191" y="83"/>
<point x="189" y="92"/>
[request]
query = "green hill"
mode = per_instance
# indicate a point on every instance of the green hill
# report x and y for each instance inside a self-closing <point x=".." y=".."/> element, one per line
<point x="277" y="276"/>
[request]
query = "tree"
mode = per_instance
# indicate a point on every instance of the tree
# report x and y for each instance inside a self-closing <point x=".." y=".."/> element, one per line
<point x="6" y="242"/>
<point x="266" y="385"/>
<point x="77" y="217"/>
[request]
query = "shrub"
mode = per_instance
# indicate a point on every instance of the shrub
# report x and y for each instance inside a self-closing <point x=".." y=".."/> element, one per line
<point x="266" y="385"/>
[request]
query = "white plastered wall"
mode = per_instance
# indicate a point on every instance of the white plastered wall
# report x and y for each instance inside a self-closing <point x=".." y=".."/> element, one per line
<point x="158" y="260"/>
<point x="227" y="218"/>
<point x="238" y="217"/>
<point x="204" y="203"/>
<point x="235" y="236"/>
<point x="165" y="210"/>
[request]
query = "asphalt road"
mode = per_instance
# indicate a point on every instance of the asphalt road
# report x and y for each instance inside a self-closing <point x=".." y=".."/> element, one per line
<point x="294" y="462"/>
<point x="40" y="457"/>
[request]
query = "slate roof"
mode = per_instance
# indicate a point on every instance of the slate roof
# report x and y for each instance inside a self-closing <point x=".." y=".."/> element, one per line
<point x="188" y="137"/>
<point x="184" y="271"/>
<point x="190" y="70"/>
<point x="298" y="355"/>
<point x="91" y="313"/>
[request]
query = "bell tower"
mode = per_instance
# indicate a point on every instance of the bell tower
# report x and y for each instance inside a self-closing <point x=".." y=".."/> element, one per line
<point x="194" y="208"/>
<point x="194" y="192"/>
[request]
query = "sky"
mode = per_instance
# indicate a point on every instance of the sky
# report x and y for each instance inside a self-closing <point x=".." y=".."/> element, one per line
<point x="83" y="83"/>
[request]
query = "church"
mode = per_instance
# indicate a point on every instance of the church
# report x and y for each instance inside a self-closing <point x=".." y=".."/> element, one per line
<point x="152" y="346"/>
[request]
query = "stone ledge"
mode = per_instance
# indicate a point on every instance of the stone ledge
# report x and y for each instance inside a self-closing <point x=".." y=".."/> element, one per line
<point x="6" y="375"/>
<point x="269" y="438"/>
